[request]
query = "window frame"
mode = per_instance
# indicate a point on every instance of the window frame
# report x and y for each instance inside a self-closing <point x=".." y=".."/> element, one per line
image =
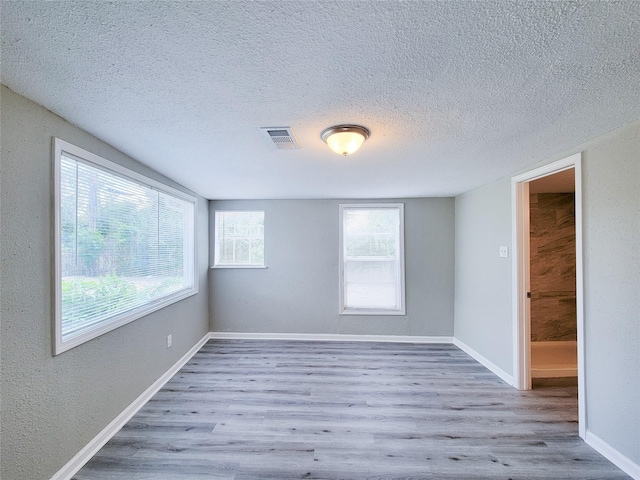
<point x="216" y="242"/>
<point x="60" y="344"/>
<point x="343" y="309"/>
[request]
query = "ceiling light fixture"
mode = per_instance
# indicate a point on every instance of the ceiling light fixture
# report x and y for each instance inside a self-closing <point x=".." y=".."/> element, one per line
<point x="345" y="139"/>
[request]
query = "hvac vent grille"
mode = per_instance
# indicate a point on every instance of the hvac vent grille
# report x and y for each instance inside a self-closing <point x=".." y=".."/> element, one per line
<point x="281" y="138"/>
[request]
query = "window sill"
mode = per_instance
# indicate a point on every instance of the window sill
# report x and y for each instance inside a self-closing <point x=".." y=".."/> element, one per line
<point x="372" y="312"/>
<point x="236" y="266"/>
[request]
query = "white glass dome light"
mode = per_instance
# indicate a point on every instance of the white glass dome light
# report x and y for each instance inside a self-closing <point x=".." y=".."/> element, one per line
<point x="345" y="139"/>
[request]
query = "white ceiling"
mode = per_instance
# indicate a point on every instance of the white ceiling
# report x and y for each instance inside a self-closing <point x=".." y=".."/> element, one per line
<point x="456" y="94"/>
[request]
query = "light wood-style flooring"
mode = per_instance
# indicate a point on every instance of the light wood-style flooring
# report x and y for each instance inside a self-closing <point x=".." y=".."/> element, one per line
<point x="245" y="409"/>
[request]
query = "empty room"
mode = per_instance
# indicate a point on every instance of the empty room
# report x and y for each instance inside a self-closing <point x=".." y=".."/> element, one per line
<point x="319" y="239"/>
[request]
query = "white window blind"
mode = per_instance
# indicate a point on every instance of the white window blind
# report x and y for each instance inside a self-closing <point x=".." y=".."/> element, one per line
<point x="372" y="259"/>
<point x="125" y="246"/>
<point x="239" y="239"/>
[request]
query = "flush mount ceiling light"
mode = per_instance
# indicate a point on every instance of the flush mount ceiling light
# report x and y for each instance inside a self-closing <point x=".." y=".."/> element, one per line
<point x="345" y="139"/>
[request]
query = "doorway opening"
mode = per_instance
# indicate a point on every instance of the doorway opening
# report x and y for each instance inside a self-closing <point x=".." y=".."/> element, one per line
<point x="552" y="280"/>
<point x="548" y="300"/>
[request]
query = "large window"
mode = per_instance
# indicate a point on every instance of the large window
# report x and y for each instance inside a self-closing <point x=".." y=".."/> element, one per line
<point x="239" y="239"/>
<point x="372" y="259"/>
<point x="124" y="245"/>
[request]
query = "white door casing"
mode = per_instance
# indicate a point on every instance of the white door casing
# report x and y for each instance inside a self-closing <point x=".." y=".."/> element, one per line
<point x="520" y="287"/>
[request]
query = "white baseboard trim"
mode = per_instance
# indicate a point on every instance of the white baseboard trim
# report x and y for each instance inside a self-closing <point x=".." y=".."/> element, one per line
<point x="483" y="360"/>
<point x="331" y="337"/>
<point x="83" y="456"/>
<point x="625" y="464"/>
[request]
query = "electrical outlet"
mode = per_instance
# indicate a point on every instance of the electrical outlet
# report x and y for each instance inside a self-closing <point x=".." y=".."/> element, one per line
<point x="169" y="341"/>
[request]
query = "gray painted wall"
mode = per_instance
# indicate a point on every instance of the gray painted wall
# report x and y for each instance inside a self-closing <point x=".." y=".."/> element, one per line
<point x="611" y="233"/>
<point x="298" y="292"/>
<point x="53" y="406"/>
<point x="611" y="213"/>
<point x="482" y="277"/>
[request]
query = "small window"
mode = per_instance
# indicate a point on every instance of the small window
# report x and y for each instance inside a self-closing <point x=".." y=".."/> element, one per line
<point x="124" y="246"/>
<point x="239" y="239"/>
<point x="372" y="259"/>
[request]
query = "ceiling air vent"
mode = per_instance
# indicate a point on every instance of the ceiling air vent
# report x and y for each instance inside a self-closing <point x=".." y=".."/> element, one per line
<point x="281" y="138"/>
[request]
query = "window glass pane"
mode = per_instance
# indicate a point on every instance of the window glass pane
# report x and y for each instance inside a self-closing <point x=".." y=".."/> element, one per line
<point x="382" y="296"/>
<point x="226" y="254"/>
<point x="371" y="262"/>
<point x="239" y="238"/>
<point x="371" y="232"/>
<point x="122" y="245"/>
<point x="371" y="284"/>
<point x="371" y="245"/>
<point x="242" y="230"/>
<point x="373" y="271"/>
<point x="257" y="251"/>
<point x="241" y="250"/>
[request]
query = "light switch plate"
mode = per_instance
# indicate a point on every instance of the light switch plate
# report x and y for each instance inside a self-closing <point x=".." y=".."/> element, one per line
<point x="504" y="251"/>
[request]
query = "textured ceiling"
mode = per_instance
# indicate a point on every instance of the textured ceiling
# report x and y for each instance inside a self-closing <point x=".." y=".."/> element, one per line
<point x="456" y="94"/>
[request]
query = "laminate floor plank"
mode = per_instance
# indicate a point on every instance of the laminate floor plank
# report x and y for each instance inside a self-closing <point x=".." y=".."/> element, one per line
<point x="251" y="409"/>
